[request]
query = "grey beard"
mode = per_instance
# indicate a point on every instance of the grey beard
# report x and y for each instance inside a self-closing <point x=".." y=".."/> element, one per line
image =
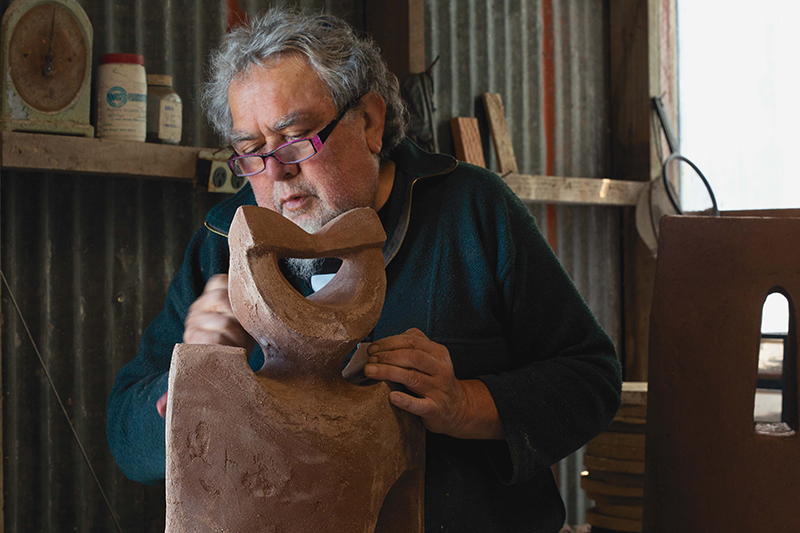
<point x="304" y="268"/>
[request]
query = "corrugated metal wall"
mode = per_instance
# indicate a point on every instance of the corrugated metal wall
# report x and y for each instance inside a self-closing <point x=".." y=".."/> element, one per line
<point x="89" y="258"/>
<point x="497" y="46"/>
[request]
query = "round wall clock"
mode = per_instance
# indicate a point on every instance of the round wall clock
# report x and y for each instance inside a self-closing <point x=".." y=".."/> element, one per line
<point x="46" y="59"/>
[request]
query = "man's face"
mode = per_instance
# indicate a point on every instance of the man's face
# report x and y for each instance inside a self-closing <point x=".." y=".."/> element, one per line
<point x="286" y="101"/>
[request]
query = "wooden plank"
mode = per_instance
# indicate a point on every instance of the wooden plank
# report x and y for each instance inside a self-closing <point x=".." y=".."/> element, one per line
<point x="634" y="512"/>
<point x="596" y="519"/>
<point x="613" y="465"/>
<point x="467" y="139"/>
<point x="626" y="453"/>
<point x="582" y="191"/>
<point x="628" y="425"/>
<point x="634" y="393"/>
<point x="632" y="411"/>
<point x="79" y="155"/>
<point x="615" y="478"/>
<point x="608" y="489"/>
<point x="501" y="138"/>
<point x="626" y="440"/>
<point x="616" y="500"/>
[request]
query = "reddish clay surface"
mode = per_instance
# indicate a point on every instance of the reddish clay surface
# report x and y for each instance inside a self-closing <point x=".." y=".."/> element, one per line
<point x="293" y="447"/>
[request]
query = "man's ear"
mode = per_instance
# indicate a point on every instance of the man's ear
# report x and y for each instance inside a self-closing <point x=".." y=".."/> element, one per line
<point x="374" y="120"/>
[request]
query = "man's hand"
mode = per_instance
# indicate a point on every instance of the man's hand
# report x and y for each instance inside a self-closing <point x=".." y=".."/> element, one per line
<point x="161" y="405"/>
<point x="211" y="321"/>
<point x="462" y="409"/>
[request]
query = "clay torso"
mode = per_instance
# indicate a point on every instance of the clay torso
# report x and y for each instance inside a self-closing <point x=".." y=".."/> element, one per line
<point x="293" y="447"/>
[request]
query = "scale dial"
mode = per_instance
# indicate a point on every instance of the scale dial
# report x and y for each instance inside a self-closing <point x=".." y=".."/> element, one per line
<point x="47" y="58"/>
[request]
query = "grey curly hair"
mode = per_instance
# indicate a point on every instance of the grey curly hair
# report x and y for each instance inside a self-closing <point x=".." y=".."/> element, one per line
<point x="348" y="65"/>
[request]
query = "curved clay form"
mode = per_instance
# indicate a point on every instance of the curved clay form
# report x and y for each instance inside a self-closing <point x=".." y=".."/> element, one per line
<point x="293" y="447"/>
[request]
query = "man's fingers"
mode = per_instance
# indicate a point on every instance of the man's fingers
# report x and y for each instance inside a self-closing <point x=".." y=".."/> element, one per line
<point x="417" y="406"/>
<point x="161" y="405"/>
<point x="211" y="321"/>
<point x="216" y="282"/>
<point x="413" y="339"/>
<point x="214" y="301"/>
<point x="226" y="338"/>
<point x="213" y="328"/>
<point x="415" y="381"/>
<point x="412" y="359"/>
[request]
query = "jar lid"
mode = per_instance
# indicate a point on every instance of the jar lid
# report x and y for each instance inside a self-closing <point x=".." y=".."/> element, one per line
<point x="136" y="59"/>
<point x="159" y="79"/>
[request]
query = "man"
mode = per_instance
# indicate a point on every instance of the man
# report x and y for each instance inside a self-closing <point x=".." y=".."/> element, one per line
<point x="510" y="371"/>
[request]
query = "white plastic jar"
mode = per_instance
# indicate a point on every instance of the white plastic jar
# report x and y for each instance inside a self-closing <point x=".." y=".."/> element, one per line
<point x="122" y="98"/>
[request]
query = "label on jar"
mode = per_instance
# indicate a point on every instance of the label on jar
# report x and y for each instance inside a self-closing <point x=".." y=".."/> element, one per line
<point x="170" y="120"/>
<point x="122" y="102"/>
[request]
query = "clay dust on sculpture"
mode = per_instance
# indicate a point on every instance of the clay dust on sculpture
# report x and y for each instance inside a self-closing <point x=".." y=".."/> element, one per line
<point x="293" y="447"/>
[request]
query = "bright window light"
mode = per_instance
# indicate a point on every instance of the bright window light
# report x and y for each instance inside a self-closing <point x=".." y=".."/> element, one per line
<point x="738" y="101"/>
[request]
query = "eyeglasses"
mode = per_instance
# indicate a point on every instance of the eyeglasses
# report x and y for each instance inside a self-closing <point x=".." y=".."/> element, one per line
<point x="289" y="153"/>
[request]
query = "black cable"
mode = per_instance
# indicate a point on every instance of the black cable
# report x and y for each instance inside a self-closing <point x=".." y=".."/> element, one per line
<point x="60" y="403"/>
<point x="668" y="186"/>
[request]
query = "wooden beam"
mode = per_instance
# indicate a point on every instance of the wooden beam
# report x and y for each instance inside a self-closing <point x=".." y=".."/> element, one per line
<point x="467" y="140"/>
<point x="79" y="155"/>
<point x="398" y="28"/>
<point x="635" y="30"/>
<point x="498" y="127"/>
<point x="578" y="191"/>
<point x="643" y="47"/>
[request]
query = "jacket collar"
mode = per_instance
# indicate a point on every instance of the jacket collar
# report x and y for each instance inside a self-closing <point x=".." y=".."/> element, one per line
<point x="418" y="163"/>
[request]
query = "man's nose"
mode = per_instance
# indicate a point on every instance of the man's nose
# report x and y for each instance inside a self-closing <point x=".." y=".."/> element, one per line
<point x="277" y="171"/>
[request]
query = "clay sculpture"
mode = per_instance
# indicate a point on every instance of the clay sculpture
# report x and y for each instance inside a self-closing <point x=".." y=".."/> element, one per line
<point x="293" y="447"/>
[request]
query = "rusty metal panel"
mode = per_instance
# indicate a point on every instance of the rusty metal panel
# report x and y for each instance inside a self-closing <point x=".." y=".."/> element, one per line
<point x="498" y="46"/>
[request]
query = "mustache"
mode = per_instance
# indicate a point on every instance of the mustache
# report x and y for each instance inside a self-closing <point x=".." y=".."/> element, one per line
<point x="294" y="189"/>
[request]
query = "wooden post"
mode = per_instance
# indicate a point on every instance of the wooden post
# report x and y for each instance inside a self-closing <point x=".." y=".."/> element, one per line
<point x="643" y="64"/>
<point x="501" y="137"/>
<point x="467" y="140"/>
<point x="398" y="27"/>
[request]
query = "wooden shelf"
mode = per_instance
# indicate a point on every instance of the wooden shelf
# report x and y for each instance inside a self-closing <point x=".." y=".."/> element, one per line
<point x="80" y="155"/>
<point x="39" y="152"/>
<point x="579" y="191"/>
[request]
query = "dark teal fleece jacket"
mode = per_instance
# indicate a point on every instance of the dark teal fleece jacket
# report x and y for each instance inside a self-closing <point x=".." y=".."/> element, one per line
<point x="467" y="265"/>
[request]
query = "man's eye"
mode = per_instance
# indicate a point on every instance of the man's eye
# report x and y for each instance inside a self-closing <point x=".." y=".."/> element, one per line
<point x="250" y="150"/>
<point x="301" y="135"/>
